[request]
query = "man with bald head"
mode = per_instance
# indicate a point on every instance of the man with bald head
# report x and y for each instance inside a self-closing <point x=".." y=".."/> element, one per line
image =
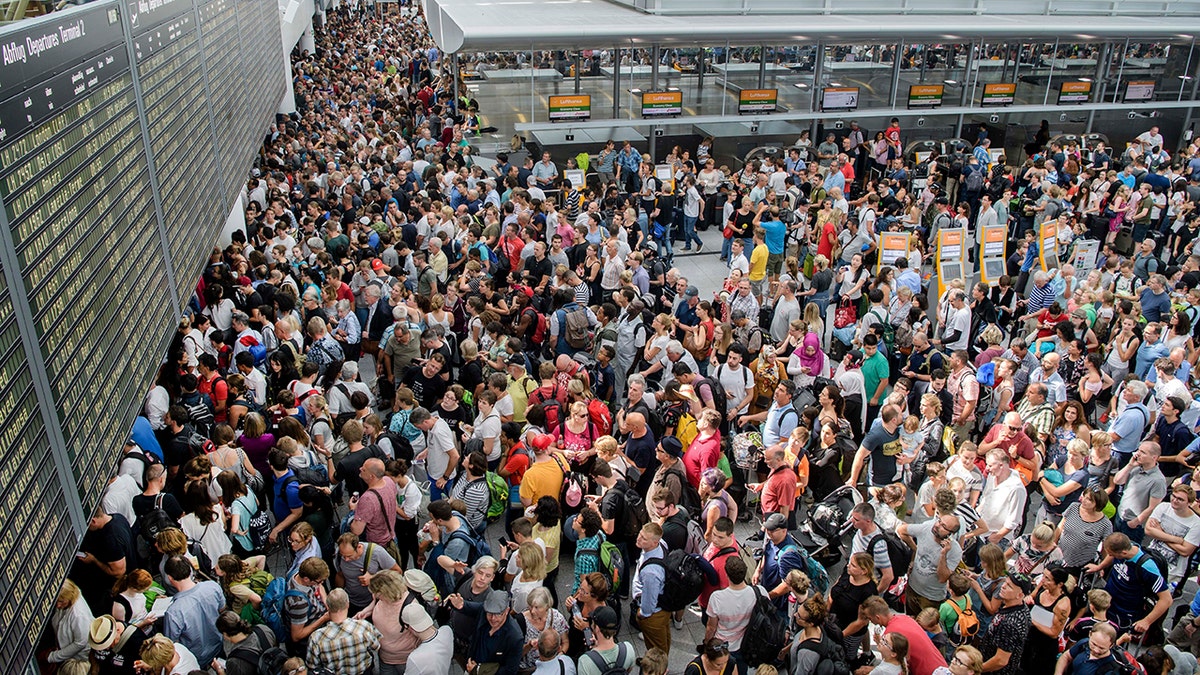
<point x="937" y="556"/>
<point x="1056" y="389"/>
<point x="375" y="509"/>
<point x="640" y="445"/>
<point x="1010" y="438"/>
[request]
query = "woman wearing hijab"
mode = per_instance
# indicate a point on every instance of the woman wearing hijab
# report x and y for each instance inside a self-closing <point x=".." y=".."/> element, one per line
<point x="808" y="361"/>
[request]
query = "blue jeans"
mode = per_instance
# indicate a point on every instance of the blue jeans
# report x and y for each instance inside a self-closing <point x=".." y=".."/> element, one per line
<point x="664" y="245"/>
<point x="436" y="493"/>
<point x="726" y="248"/>
<point x="689" y="233"/>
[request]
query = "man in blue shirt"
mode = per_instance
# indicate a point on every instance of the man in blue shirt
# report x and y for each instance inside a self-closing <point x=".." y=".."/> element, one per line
<point x="781" y="555"/>
<point x="776" y="234"/>
<point x="1128" y="427"/>
<point x="544" y="172"/>
<point x="287" y="505"/>
<point x="1150" y="350"/>
<point x="1091" y="656"/>
<point x="835" y="178"/>
<point x="191" y="620"/>
<point x="648" y="581"/>
<point x="907" y="277"/>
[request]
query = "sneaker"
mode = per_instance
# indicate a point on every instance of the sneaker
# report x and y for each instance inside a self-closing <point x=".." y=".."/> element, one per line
<point x="757" y="536"/>
<point x="700" y="248"/>
<point x="677" y="623"/>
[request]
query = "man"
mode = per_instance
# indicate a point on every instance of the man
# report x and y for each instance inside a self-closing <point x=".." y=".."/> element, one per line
<point x="779" y="490"/>
<point x="1151" y="349"/>
<point x="956" y="334"/>
<point x="936" y="556"/>
<point x="561" y="324"/>
<point x="745" y="301"/>
<point x="1129" y="426"/>
<point x="497" y="641"/>
<point x="963" y="386"/>
<point x="343" y="645"/>
<point x="436" y="649"/>
<point x="923" y="656"/>
<point x="779" y="420"/>
<point x="1133" y="580"/>
<point x="729" y="609"/>
<point x="447" y="528"/>
<point x="875" y="370"/>
<point x="106" y="553"/>
<point x="1144" y="261"/>
<point x="1145" y="489"/>
<point x="306" y="607"/>
<point x="1092" y="654"/>
<point x="882" y="445"/>
<point x="1002" y="503"/>
<point x="1056" y="388"/>
<point x="440" y="454"/>
<point x="551" y="659"/>
<point x="1027" y="362"/>
<point x="781" y="555"/>
<point x="355" y="564"/>
<point x="1173" y="531"/>
<point x="606" y="655"/>
<point x="648" y="582"/>
<point x="1155" y="299"/>
<point x="868" y="538"/>
<point x="287" y="507"/>
<point x="116" y="646"/>
<point x="1036" y="411"/>
<point x="921" y="364"/>
<point x="192" y="617"/>
<point x="737" y="381"/>
<point x="1009" y="437"/>
<point x="670" y="473"/>
<point x="1004" y="641"/>
<point x="545" y="172"/>
<point x="375" y="510"/>
<point x="345" y="387"/>
<point x="348" y="471"/>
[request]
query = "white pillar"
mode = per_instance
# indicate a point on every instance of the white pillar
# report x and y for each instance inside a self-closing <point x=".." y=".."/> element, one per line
<point x="235" y="221"/>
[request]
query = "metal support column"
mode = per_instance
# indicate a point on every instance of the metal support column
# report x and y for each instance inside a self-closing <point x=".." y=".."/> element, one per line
<point x="458" y="75"/>
<point x="616" y="92"/>
<point x="1103" y="59"/>
<point x="578" y="68"/>
<point x="654" y="55"/>
<point x="762" y="66"/>
<point x="1187" y="122"/>
<point x="895" y="74"/>
<point x="700" y="66"/>
<point x="817" y="86"/>
<point x="966" y="77"/>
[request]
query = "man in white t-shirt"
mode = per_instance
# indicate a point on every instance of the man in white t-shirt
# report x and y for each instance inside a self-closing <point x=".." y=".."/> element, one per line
<point x="1150" y="139"/>
<point x="737" y="380"/>
<point x="729" y="609"/>
<point x="1173" y="530"/>
<point x="956" y="334"/>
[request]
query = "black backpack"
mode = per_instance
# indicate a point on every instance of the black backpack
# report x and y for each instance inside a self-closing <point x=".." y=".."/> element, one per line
<point x="148" y="459"/>
<point x="155" y="520"/>
<point x="635" y="515"/>
<point x="720" y="401"/>
<point x="684" y="577"/>
<point x="766" y="632"/>
<point x="832" y="658"/>
<point x="899" y="553"/>
<point x="269" y="659"/>
<point x="200" y="411"/>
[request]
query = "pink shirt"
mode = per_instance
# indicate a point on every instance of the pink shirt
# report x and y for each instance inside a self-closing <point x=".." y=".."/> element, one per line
<point x="395" y="642"/>
<point x="701" y="455"/>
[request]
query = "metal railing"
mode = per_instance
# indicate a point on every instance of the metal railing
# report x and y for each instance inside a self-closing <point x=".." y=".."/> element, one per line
<point x="1164" y="8"/>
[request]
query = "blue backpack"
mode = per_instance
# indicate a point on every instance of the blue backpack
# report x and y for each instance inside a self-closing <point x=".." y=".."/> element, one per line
<point x="812" y="569"/>
<point x="274" y="607"/>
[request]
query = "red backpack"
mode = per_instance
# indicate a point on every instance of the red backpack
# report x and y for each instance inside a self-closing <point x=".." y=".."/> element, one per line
<point x="541" y="327"/>
<point x="600" y="416"/>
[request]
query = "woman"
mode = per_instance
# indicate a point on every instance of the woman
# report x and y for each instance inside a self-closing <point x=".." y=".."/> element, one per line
<point x="229" y="457"/>
<point x="1119" y="206"/>
<point x="129" y="599"/>
<point x="986" y="584"/>
<point x="281" y="371"/>
<point x="809" y="618"/>
<point x="239" y="400"/>
<point x="576" y="436"/>
<point x="486" y="428"/>
<point x="1035" y="552"/>
<point x="822" y="280"/>
<point x="473" y="490"/>
<point x="884" y="281"/>
<point x="1121" y="350"/>
<point x="654" y="353"/>
<point x="926" y="504"/>
<point x="1180" y="335"/>
<point x="396" y="642"/>
<point x="241" y="636"/>
<point x="713" y="660"/>
<point x="591" y="270"/>
<point x="1070" y="423"/>
<point x="243" y="581"/>
<point x="967" y="660"/>
<point x="531" y="574"/>
<point x="698" y="339"/>
<point x="893" y="647"/>
<point x="540" y="614"/>
<point x="716" y="501"/>
<point x="256" y="441"/>
<point x="204" y="523"/>
<point x="1093" y="382"/>
<point x="1101" y="463"/>
<point x="1003" y="392"/>
<point x="547" y="528"/>
<point x="808" y="361"/>
<point x="1062" y="486"/>
<point x="1082" y="528"/>
<point x="721" y="342"/>
<point x="593" y="594"/>
<point x="304" y="545"/>
<point x="622" y="467"/>
<point x="241" y="504"/>
<point x="852" y="279"/>
<point x="931" y="430"/>
<point x="71" y="621"/>
<point x="845" y="598"/>
<point x="1050" y="611"/>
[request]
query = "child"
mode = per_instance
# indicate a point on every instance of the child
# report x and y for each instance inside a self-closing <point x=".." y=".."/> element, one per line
<point x="929" y="620"/>
<point x="1098" y="602"/>
<point x="1125" y="284"/>
<point x="952" y="609"/>
<point x="911" y="437"/>
<point x="654" y="662"/>
<point x="936" y="474"/>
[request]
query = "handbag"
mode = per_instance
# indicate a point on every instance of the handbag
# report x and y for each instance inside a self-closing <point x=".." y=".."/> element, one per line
<point x="808" y="265"/>
<point x="847" y="314"/>
<point x="727" y="232"/>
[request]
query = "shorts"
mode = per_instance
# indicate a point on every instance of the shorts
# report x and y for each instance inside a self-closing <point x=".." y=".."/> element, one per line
<point x="774" y="264"/>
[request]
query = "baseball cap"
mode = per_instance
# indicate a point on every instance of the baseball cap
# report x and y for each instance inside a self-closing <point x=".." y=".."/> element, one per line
<point x="775" y="521"/>
<point x="691" y="291"/>
<point x="605" y="617"/>
<point x="1022" y="581"/>
<point x="365" y="220"/>
<point x="103" y="632"/>
<point x="416" y="618"/>
<point x="516" y="360"/>
<point x="377" y="264"/>
<point x="496" y="602"/>
<point x="543" y="442"/>
<point x="672" y="446"/>
<point x="244" y="281"/>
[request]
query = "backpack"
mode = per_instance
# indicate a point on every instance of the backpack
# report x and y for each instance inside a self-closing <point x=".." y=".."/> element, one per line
<point x="964" y="630"/>
<point x="575" y="329"/>
<point x="898" y="552"/>
<point x="720" y="400"/>
<point x="615" y="668"/>
<point x="609" y="557"/>
<point x="199" y="444"/>
<point x="148" y="459"/>
<point x="274" y="607"/>
<point x="685" y="429"/>
<point x="478" y="547"/>
<point x="551" y="406"/>
<point x="155" y="520"/>
<point x="814" y="570"/>
<point x="573" y="489"/>
<point x="259" y="660"/>
<point x="259" y="529"/>
<point x="832" y="656"/>
<point x="541" y="327"/>
<point x="740" y="551"/>
<point x="695" y="538"/>
<point x="986" y="375"/>
<point x="497" y="496"/>
<point x="766" y="632"/>
<point x="200" y="410"/>
<point x="1125" y="663"/>
<point x="974" y="181"/>
<point x="635" y="514"/>
<point x="889" y="331"/>
<point x="256" y="349"/>
<point x="689" y="498"/>
<point x="684" y="577"/>
<point x="600" y="417"/>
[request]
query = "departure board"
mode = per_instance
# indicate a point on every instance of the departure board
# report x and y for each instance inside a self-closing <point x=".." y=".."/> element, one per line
<point x="27" y="566"/>
<point x="121" y="121"/>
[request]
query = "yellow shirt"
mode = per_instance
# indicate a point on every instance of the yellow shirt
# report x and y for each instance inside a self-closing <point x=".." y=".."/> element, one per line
<point x="518" y="391"/>
<point x="758" y="262"/>
<point x="543" y="479"/>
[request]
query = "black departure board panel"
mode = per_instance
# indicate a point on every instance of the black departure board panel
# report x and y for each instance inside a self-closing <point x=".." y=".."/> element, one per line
<point x="127" y="128"/>
<point x="27" y="566"/>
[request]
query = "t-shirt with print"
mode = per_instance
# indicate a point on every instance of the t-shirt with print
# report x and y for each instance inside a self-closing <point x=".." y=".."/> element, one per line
<point x="1187" y="527"/>
<point x="1008" y="631"/>
<point x="884" y="446"/>
<point x="923" y="578"/>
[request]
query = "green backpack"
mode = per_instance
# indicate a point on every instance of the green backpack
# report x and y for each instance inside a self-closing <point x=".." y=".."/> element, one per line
<point x="497" y="496"/>
<point x="889" y="331"/>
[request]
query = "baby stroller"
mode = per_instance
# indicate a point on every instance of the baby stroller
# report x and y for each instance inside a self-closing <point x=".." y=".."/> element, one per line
<point x="827" y="524"/>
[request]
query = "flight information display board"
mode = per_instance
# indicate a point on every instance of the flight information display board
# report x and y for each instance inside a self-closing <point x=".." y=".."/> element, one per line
<point x="126" y="129"/>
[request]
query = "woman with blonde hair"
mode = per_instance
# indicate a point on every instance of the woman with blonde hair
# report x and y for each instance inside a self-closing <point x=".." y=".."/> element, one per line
<point x="986" y="584"/>
<point x="1035" y="552"/>
<point x="161" y="654"/>
<point x="228" y="457"/>
<point x="257" y="442"/>
<point x="71" y="620"/>
<point x="576" y="435"/>
<point x="1063" y="482"/>
<point x="303" y="542"/>
<point x="531" y="573"/>
<point x="388" y="592"/>
<point x="966" y="660"/>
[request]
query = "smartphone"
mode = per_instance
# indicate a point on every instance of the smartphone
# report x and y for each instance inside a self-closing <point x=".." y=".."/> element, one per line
<point x="354" y="495"/>
<point x="503" y="542"/>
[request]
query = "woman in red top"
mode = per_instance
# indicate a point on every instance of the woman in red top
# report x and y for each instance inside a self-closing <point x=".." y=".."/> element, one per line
<point x="1048" y="319"/>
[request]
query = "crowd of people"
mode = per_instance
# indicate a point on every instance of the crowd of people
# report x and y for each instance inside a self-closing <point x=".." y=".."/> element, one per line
<point x="992" y="482"/>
